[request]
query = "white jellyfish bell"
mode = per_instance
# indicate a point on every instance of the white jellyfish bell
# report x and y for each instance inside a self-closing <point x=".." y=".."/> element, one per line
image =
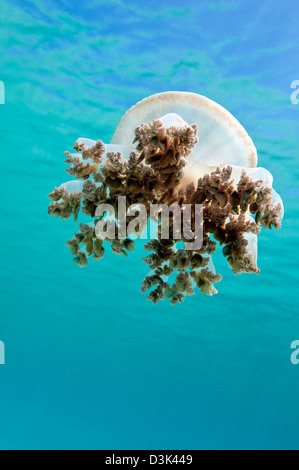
<point x="222" y="142"/>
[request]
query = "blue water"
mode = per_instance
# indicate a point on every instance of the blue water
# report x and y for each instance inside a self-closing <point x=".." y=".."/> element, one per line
<point x="90" y="364"/>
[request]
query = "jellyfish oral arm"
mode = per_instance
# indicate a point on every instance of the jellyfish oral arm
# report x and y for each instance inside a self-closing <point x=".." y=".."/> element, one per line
<point x="171" y="149"/>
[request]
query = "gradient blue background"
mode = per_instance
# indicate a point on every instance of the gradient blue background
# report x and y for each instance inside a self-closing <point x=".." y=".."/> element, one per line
<point x="90" y="363"/>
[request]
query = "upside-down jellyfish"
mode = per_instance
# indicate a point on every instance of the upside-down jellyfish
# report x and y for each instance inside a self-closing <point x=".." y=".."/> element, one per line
<point x="172" y="148"/>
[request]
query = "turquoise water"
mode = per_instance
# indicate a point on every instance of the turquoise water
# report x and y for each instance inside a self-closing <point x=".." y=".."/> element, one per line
<point x="89" y="362"/>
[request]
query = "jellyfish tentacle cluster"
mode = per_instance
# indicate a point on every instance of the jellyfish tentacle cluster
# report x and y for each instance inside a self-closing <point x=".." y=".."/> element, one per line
<point x="162" y="163"/>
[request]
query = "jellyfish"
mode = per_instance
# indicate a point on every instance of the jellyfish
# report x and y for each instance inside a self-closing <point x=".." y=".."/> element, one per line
<point x="171" y="148"/>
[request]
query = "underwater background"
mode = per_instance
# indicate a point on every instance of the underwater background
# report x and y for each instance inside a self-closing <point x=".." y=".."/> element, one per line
<point x="90" y="363"/>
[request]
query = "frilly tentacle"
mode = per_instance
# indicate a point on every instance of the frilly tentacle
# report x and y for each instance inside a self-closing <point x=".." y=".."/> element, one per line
<point x="237" y="202"/>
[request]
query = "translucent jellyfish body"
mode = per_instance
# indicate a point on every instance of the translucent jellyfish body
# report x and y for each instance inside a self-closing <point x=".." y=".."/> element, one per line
<point x="171" y="148"/>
